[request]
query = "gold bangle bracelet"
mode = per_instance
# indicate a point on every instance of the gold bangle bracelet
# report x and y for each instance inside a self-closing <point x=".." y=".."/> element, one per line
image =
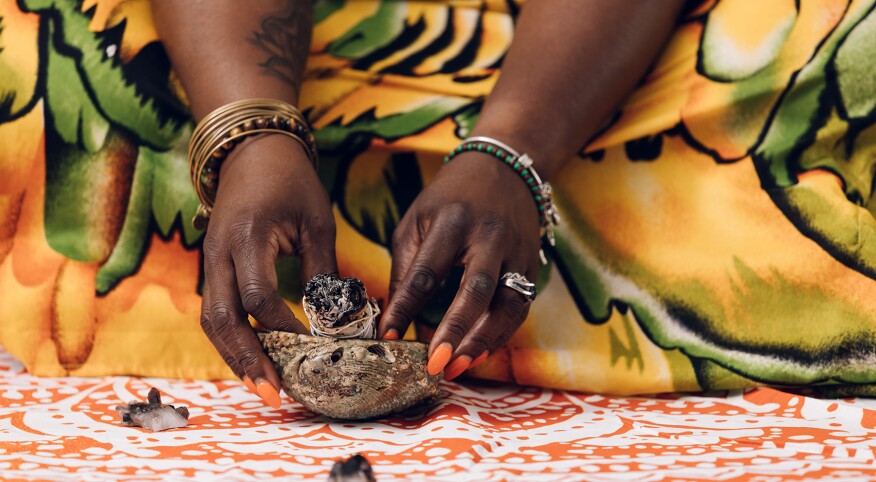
<point x="220" y="131"/>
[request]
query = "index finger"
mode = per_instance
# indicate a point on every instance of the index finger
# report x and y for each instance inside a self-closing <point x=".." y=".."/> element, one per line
<point x="230" y="325"/>
<point x="471" y="301"/>
<point x="431" y="263"/>
<point x="405" y="244"/>
<point x="257" y="282"/>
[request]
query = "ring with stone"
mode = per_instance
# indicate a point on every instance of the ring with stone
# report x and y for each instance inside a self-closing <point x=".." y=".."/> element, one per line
<point x="520" y="284"/>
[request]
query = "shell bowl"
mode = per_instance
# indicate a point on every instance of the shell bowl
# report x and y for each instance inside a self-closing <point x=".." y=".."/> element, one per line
<point x="351" y="379"/>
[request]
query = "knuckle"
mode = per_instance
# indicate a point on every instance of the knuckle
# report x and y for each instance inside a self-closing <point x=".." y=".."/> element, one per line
<point x="212" y="246"/>
<point x="221" y="316"/>
<point x="255" y="296"/>
<point x="239" y="239"/>
<point x="404" y="308"/>
<point x="247" y="359"/>
<point x="455" y="328"/>
<point x="395" y="281"/>
<point x="479" y="288"/>
<point x="206" y="325"/>
<point x="480" y="342"/>
<point x="393" y="287"/>
<point x="493" y="226"/>
<point x="422" y="282"/>
<point x="399" y="238"/>
<point x="456" y="214"/>
<point x="502" y="339"/>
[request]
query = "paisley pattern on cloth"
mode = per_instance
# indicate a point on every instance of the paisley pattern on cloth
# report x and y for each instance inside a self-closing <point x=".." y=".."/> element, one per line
<point x="66" y="429"/>
<point x="719" y="231"/>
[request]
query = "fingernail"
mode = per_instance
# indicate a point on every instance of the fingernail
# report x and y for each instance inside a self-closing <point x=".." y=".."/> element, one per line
<point x="250" y="385"/>
<point x="477" y="361"/>
<point x="391" y="334"/>
<point x="439" y="359"/>
<point x="269" y="394"/>
<point x="456" y="367"/>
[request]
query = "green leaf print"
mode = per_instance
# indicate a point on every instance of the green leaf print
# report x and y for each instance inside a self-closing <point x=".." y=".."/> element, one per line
<point x="86" y="195"/>
<point x="804" y="108"/>
<point x="334" y="137"/>
<point x="822" y="123"/>
<point x="466" y="119"/>
<point x="160" y="186"/>
<point x="630" y="351"/>
<point x="687" y="315"/>
<point x="101" y="75"/>
<point x="723" y="56"/>
<point x="172" y="194"/>
<point x="323" y="9"/>
<point x="857" y="83"/>
<point x="378" y="189"/>
<point x="73" y="115"/>
<point x="372" y="33"/>
<point x="115" y="156"/>
<point x="131" y="245"/>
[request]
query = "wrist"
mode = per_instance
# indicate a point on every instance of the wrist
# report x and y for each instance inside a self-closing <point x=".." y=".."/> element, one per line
<point x="274" y="151"/>
<point x="219" y="134"/>
<point x="546" y="161"/>
<point x="477" y="172"/>
<point x="523" y="165"/>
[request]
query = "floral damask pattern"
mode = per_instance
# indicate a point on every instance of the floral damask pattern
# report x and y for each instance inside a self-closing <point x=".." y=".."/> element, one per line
<point x="66" y="429"/>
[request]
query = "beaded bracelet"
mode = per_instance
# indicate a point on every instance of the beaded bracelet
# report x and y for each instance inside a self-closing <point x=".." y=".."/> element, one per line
<point x="223" y="129"/>
<point x="541" y="191"/>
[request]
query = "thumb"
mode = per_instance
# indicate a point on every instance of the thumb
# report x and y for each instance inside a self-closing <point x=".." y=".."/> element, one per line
<point x="317" y="250"/>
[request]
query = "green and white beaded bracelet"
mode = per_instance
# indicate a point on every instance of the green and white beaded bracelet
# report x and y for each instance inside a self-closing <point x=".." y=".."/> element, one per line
<point x="522" y="165"/>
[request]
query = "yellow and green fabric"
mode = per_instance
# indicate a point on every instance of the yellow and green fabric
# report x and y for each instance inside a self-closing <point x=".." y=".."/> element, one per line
<point x="719" y="232"/>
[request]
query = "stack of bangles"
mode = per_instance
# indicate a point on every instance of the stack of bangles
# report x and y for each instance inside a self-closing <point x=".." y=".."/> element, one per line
<point x="220" y="131"/>
<point x="522" y="165"/>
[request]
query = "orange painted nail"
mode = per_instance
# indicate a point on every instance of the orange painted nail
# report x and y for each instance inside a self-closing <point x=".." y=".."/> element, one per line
<point x="269" y="394"/>
<point x="390" y="334"/>
<point x="456" y="367"/>
<point x="250" y="385"/>
<point x="439" y="359"/>
<point x="480" y="359"/>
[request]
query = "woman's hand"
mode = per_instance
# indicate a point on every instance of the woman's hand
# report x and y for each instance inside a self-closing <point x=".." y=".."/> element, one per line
<point x="270" y="202"/>
<point x="479" y="213"/>
<point x="547" y="102"/>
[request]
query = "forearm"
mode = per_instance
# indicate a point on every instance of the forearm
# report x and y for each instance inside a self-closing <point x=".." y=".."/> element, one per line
<point x="227" y="50"/>
<point x="571" y="64"/>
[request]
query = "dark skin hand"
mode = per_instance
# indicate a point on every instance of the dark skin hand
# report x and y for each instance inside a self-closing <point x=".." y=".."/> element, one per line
<point x="270" y="201"/>
<point x="557" y="86"/>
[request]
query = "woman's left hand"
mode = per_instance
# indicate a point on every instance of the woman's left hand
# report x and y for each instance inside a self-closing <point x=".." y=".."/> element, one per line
<point x="479" y="213"/>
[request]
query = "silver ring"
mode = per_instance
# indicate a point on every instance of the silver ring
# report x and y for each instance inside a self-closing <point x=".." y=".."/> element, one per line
<point x="520" y="284"/>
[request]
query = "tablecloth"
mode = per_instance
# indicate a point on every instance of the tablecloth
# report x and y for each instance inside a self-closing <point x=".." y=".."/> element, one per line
<point x="67" y="429"/>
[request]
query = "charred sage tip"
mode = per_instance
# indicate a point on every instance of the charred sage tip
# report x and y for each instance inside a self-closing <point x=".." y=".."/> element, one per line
<point x="339" y="307"/>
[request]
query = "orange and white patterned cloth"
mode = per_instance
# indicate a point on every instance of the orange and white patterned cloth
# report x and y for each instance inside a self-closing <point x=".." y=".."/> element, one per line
<point x="66" y="429"/>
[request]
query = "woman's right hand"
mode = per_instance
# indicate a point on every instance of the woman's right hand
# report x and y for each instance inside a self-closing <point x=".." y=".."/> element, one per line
<point x="270" y="202"/>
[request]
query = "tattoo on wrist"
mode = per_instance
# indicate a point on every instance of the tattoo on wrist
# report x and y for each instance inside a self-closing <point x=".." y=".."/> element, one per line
<point x="285" y="37"/>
